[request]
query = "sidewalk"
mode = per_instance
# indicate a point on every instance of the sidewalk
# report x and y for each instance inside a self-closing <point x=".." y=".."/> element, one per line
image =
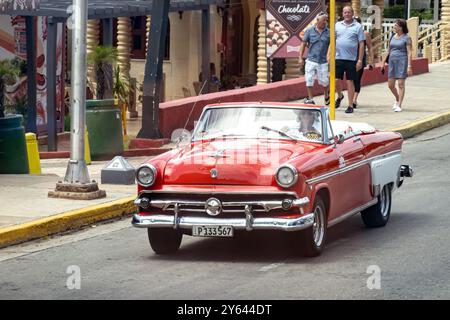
<point x="425" y="95"/>
<point x="27" y="213"/>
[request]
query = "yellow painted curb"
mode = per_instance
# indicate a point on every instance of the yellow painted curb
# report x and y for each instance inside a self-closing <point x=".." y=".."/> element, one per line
<point x="66" y="221"/>
<point x="413" y="128"/>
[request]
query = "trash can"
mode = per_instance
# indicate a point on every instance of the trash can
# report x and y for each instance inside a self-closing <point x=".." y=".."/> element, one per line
<point x="104" y="124"/>
<point x="13" y="146"/>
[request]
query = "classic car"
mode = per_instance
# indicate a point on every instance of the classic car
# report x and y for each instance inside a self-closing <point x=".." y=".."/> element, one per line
<point x="269" y="166"/>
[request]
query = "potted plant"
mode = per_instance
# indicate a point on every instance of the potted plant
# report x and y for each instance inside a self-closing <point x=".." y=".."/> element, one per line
<point x="103" y="117"/>
<point x="13" y="158"/>
<point x="9" y="70"/>
<point x="102" y="59"/>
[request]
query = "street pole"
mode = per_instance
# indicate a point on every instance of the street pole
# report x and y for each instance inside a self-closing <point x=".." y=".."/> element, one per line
<point x="332" y="60"/>
<point x="77" y="184"/>
<point x="77" y="171"/>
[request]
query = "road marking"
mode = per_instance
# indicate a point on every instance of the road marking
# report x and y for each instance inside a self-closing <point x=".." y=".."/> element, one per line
<point x="270" y="267"/>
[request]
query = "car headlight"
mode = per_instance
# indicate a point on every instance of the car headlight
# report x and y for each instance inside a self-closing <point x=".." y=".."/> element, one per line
<point x="287" y="176"/>
<point x="146" y="175"/>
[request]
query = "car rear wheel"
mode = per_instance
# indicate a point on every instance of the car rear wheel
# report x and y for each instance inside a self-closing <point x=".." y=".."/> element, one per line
<point x="313" y="238"/>
<point x="164" y="241"/>
<point x="378" y="215"/>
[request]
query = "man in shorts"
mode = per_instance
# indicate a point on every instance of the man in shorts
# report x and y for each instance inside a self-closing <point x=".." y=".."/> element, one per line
<point x="317" y="39"/>
<point x="349" y="54"/>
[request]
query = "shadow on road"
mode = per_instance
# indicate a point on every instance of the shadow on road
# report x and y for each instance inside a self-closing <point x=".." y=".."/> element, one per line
<point x="260" y="246"/>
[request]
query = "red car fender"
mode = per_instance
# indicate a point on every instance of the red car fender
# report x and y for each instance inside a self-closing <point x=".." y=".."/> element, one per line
<point x="323" y="189"/>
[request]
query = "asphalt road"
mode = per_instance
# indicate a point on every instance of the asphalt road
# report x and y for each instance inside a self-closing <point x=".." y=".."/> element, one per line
<point x="115" y="261"/>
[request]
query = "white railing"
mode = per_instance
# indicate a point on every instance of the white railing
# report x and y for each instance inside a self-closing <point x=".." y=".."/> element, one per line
<point x="387" y="27"/>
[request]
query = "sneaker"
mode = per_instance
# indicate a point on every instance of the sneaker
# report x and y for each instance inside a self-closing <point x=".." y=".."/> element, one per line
<point x="327" y="101"/>
<point x="338" y="101"/>
<point x="309" y="101"/>
<point x="395" y="105"/>
<point x="349" y="110"/>
<point x="397" y="109"/>
<point x="355" y="105"/>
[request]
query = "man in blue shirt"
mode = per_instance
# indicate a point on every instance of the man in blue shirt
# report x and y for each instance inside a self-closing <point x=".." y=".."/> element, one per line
<point x="317" y="39"/>
<point x="349" y="54"/>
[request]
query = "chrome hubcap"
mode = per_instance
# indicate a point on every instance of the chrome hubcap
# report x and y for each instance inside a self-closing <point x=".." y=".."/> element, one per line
<point x="384" y="201"/>
<point x="318" y="226"/>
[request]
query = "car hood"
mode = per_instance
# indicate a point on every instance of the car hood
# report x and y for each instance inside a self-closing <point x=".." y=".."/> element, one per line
<point x="237" y="162"/>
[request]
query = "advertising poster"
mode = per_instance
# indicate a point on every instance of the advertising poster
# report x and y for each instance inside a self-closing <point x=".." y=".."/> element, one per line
<point x="285" y="21"/>
<point x="13" y="44"/>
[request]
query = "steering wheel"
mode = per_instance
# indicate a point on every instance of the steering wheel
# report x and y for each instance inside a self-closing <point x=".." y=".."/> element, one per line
<point x="313" y="135"/>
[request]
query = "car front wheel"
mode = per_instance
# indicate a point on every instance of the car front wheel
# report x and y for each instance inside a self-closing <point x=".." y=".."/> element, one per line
<point x="164" y="241"/>
<point x="378" y="215"/>
<point x="313" y="238"/>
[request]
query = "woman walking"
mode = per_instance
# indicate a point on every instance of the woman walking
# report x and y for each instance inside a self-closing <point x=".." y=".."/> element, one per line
<point x="400" y="67"/>
<point x="359" y="73"/>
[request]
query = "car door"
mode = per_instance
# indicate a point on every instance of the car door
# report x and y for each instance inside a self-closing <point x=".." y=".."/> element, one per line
<point x="354" y="177"/>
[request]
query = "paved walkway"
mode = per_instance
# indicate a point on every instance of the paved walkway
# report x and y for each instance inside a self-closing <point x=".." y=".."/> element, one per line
<point x="24" y="198"/>
<point x="425" y="95"/>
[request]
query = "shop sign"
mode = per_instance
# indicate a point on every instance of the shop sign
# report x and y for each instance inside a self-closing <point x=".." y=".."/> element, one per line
<point x="285" y="21"/>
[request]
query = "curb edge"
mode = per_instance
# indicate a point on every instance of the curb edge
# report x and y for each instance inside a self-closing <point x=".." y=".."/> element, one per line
<point x="67" y="221"/>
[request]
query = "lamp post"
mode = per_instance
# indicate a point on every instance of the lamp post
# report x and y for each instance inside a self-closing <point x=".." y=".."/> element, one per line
<point x="77" y="184"/>
<point x="77" y="171"/>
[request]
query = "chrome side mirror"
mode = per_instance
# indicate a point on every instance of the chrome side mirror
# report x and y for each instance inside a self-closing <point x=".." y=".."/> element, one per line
<point x="339" y="139"/>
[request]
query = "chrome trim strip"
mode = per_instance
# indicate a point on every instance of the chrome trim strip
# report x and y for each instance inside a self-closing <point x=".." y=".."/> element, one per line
<point x="351" y="167"/>
<point x="211" y="192"/>
<point x="267" y="205"/>
<point x="352" y="213"/>
<point x="167" y="221"/>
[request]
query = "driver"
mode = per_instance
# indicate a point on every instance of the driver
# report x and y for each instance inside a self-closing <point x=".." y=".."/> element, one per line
<point x="309" y="127"/>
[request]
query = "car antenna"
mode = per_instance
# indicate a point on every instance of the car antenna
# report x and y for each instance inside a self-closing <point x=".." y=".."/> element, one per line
<point x="190" y="114"/>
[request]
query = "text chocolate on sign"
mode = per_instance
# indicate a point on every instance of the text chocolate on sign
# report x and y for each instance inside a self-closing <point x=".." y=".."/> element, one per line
<point x="285" y="21"/>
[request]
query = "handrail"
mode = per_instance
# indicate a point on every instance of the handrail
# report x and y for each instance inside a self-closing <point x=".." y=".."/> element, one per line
<point x="434" y="26"/>
<point x="441" y="29"/>
<point x="445" y="58"/>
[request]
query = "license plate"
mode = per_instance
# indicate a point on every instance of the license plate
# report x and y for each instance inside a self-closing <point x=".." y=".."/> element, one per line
<point x="212" y="231"/>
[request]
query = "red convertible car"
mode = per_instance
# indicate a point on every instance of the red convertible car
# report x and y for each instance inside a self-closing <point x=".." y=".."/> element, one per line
<point x="269" y="166"/>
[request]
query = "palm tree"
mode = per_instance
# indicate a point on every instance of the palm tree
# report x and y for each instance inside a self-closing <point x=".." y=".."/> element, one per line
<point x="8" y="73"/>
<point x="102" y="59"/>
<point x="121" y="91"/>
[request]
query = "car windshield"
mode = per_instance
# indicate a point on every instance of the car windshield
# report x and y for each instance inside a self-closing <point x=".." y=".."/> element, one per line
<point x="260" y="122"/>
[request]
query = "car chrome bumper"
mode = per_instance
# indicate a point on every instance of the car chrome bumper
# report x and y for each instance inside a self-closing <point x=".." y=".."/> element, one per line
<point x="169" y="221"/>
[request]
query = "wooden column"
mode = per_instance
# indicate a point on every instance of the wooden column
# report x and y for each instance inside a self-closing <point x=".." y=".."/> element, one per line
<point x="377" y="32"/>
<point x="292" y="69"/>
<point x="92" y="40"/>
<point x="356" y="5"/>
<point x="445" y="17"/>
<point x="124" y="46"/>
<point x="263" y="62"/>
<point x="149" y="21"/>
<point x="413" y="27"/>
